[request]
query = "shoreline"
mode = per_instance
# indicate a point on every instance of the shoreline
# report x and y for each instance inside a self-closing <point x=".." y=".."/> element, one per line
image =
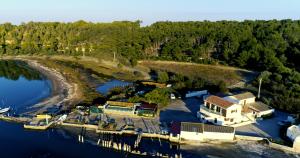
<point x="62" y="91"/>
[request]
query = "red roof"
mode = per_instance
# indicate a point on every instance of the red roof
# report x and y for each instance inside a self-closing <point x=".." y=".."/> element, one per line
<point x="175" y="127"/>
<point x="148" y="106"/>
<point x="219" y="101"/>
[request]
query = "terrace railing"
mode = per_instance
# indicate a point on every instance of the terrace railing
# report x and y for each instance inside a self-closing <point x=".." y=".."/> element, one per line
<point x="209" y="112"/>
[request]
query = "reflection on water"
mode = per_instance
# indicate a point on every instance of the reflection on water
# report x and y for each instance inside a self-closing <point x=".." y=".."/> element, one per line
<point x="21" y="86"/>
<point x="18" y="143"/>
<point x="13" y="70"/>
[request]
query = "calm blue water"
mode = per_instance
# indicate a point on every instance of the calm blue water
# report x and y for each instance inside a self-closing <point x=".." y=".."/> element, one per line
<point x="21" y="87"/>
<point x="15" y="142"/>
<point x="104" y="88"/>
<point x="21" y="93"/>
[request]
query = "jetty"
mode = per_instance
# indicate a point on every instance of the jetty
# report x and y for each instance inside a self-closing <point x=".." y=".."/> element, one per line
<point x="38" y="127"/>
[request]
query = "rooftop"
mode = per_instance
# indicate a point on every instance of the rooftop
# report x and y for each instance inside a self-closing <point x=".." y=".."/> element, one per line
<point x="219" y="101"/>
<point x="148" y="106"/>
<point x="258" y="106"/>
<point x="200" y="128"/>
<point x="245" y="95"/>
<point x="219" y="129"/>
<point x="175" y="128"/>
<point x="191" y="127"/>
<point x="118" y="103"/>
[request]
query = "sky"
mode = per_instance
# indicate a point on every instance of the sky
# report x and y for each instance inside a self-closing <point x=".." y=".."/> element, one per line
<point x="148" y="11"/>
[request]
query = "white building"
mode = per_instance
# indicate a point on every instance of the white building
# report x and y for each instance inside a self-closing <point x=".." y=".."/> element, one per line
<point x="191" y="131"/>
<point x="196" y="93"/>
<point x="242" y="98"/>
<point x="250" y="107"/>
<point x="201" y="132"/>
<point x="120" y="108"/>
<point x="220" y="111"/>
<point x="293" y="132"/>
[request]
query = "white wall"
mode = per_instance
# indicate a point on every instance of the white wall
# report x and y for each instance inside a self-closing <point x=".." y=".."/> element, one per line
<point x="196" y="93"/>
<point x="191" y="136"/>
<point x="220" y="120"/>
<point x="267" y="112"/>
<point x="248" y="101"/>
<point x="218" y="136"/>
<point x="241" y="102"/>
<point x="237" y="116"/>
<point x="293" y="132"/>
<point x="296" y="144"/>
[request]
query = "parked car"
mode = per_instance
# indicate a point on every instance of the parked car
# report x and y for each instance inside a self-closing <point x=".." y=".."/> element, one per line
<point x="165" y="131"/>
<point x="172" y="96"/>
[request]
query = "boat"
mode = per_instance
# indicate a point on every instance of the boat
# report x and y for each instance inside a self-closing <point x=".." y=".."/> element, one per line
<point x="4" y="110"/>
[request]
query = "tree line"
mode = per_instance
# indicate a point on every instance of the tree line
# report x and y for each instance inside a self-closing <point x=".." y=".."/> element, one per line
<point x="272" y="46"/>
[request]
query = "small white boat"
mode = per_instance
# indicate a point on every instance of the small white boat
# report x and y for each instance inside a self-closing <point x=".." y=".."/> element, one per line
<point x="4" y="110"/>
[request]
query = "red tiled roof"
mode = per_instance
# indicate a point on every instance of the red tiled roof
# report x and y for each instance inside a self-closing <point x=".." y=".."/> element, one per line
<point x="148" y="106"/>
<point x="175" y="128"/>
<point x="219" y="101"/>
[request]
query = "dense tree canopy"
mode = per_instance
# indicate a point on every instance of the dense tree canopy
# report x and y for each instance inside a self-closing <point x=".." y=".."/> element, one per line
<point x="272" y="46"/>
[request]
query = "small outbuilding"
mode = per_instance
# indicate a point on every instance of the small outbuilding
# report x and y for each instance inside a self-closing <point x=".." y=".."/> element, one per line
<point x="198" y="132"/>
<point x="147" y="109"/>
<point x="191" y="131"/>
<point x="121" y="108"/>
<point x="293" y="133"/>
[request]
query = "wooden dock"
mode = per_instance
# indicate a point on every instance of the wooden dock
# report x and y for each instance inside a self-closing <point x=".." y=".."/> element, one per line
<point x="37" y="127"/>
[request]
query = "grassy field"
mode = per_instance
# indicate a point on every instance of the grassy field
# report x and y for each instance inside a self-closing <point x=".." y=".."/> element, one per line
<point x="212" y="73"/>
<point x="105" y="67"/>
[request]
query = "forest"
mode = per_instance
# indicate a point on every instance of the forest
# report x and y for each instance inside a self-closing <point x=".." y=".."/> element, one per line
<point x="272" y="47"/>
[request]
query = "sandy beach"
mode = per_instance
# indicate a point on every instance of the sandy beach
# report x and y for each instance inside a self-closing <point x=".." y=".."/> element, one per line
<point x="62" y="92"/>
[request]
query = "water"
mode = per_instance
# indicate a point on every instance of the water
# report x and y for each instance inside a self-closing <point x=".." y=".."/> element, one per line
<point x="107" y="86"/>
<point x="15" y="142"/>
<point x="20" y="87"/>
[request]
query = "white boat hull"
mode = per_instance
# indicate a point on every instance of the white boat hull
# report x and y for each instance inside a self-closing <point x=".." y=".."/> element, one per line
<point x="4" y="110"/>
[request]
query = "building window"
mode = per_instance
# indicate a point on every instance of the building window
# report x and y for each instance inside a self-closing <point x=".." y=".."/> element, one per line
<point x="216" y="120"/>
<point x="218" y="109"/>
<point x="231" y="120"/>
<point x="233" y="111"/>
<point x="213" y="106"/>
<point x="207" y="105"/>
<point x="224" y="112"/>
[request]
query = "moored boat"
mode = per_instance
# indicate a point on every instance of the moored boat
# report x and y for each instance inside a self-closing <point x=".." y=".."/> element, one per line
<point x="4" y="110"/>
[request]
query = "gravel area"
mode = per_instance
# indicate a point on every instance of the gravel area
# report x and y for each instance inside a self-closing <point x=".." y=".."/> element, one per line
<point x="181" y="110"/>
<point x="265" y="128"/>
<point x="241" y="149"/>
